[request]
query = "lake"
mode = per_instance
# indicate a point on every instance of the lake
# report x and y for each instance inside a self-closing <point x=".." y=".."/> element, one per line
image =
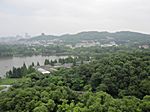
<point x="7" y="63"/>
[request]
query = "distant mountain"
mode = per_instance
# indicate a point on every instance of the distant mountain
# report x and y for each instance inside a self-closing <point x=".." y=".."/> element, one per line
<point x="131" y="36"/>
<point x="103" y="37"/>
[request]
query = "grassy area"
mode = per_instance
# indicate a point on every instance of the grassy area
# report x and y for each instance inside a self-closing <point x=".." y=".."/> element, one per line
<point x="9" y="81"/>
<point x="1" y="88"/>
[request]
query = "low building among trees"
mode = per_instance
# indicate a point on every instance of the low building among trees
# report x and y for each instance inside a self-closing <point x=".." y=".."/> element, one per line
<point x="43" y="71"/>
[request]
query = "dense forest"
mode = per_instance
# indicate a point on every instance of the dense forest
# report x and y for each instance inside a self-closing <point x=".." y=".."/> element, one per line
<point x="112" y="82"/>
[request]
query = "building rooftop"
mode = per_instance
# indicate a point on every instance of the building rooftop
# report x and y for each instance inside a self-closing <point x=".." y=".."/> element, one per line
<point x="43" y="71"/>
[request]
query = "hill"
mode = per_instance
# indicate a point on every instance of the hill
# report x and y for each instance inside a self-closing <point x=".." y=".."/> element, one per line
<point x="121" y="37"/>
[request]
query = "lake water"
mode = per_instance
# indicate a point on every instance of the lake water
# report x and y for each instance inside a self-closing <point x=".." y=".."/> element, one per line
<point x="7" y="63"/>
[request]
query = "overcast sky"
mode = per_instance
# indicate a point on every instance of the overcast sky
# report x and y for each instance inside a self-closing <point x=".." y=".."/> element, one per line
<point x="72" y="16"/>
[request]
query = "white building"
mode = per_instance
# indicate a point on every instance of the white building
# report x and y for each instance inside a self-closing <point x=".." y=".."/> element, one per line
<point x="43" y="71"/>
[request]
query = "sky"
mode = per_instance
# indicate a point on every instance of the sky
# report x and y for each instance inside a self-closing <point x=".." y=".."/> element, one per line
<point x="58" y="17"/>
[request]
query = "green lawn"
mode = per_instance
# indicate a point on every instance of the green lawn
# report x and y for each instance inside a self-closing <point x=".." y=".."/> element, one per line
<point x="9" y="81"/>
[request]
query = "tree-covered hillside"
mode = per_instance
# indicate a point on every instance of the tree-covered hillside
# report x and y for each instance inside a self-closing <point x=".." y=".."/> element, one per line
<point x="114" y="82"/>
<point x="121" y="37"/>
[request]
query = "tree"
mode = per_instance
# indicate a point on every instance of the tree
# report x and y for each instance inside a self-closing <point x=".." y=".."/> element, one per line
<point x="41" y="108"/>
<point x="74" y="62"/>
<point x="46" y="62"/>
<point x="24" y="69"/>
<point x="51" y="105"/>
<point x="32" y="63"/>
<point x="38" y="64"/>
<point x="52" y="63"/>
<point x="145" y="87"/>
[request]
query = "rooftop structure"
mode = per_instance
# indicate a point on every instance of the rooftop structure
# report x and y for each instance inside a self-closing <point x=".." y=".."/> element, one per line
<point x="43" y="71"/>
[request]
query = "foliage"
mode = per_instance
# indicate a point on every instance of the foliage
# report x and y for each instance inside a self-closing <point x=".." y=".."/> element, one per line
<point x="2" y="87"/>
<point x="10" y="81"/>
<point x="20" y="71"/>
<point x="115" y="82"/>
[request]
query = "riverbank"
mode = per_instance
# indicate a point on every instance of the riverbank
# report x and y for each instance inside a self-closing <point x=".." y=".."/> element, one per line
<point x="7" y="63"/>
